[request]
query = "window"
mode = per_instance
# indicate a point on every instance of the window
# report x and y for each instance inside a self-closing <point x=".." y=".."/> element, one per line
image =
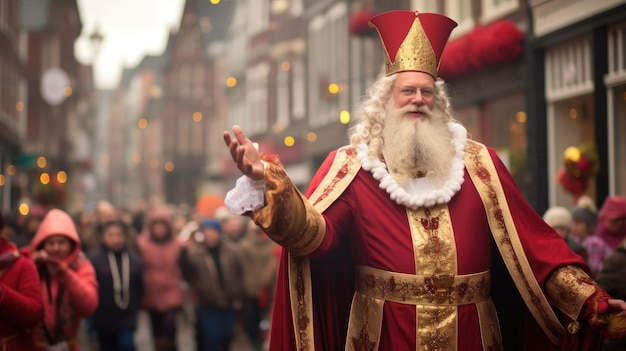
<point x="298" y="107"/>
<point x="424" y="6"/>
<point x="184" y="128"/>
<point x="257" y="78"/>
<point x="196" y="135"/>
<point x="328" y="64"/>
<point x="198" y="81"/>
<point x="615" y="80"/>
<point x="461" y="12"/>
<point x="570" y="123"/>
<point x="259" y="16"/>
<point x="569" y="92"/>
<point x="495" y="9"/>
<point x="617" y="54"/>
<point x="184" y="82"/>
<point x="282" y="98"/>
<point x="569" y="69"/>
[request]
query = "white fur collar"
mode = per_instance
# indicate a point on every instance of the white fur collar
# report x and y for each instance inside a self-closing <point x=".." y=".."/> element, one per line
<point x="420" y="192"/>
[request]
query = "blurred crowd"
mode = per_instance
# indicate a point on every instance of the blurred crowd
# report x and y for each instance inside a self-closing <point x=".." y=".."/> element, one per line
<point x="95" y="270"/>
<point x="599" y="237"/>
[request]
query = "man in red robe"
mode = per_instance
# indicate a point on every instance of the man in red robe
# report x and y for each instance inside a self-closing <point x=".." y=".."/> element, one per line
<point x="414" y="237"/>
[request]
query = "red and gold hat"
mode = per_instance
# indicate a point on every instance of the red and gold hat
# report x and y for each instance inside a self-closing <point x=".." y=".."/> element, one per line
<point x="412" y="41"/>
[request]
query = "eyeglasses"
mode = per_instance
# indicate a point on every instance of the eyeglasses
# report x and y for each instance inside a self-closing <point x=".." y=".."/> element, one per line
<point x="426" y="93"/>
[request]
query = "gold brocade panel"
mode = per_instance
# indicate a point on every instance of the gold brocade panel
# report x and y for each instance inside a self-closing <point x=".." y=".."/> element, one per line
<point x="435" y="254"/>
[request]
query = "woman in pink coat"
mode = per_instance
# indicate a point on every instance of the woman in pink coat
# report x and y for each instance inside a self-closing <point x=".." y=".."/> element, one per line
<point x="163" y="296"/>
<point x="68" y="282"/>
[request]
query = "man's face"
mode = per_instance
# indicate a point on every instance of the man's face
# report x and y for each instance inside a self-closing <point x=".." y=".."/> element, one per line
<point x="416" y="88"/>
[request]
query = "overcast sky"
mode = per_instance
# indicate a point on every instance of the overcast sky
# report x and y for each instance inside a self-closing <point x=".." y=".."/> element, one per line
<point x="131" y="30"/>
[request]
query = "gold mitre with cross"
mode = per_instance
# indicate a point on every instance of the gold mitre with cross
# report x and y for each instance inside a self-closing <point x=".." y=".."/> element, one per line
<point x="412" y="41"/>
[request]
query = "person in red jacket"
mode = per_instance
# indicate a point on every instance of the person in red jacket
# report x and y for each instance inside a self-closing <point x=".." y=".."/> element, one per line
<point x="21" y="307"/>
<point x="69" y="288"/>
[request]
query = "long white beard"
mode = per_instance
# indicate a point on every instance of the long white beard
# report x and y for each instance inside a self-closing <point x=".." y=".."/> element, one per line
<point x="416" y="147"/>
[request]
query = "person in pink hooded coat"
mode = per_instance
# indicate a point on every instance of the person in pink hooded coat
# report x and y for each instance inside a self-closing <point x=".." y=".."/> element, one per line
<point x="163" y="297"/>
<point x="69" y="287"/>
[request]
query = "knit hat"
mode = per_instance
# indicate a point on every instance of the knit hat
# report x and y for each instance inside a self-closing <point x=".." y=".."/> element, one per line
<point x="614" y="207"/>
<point x="211" y="223"/>
<point x="583" y="214"/>
<point x="558" y="216"/>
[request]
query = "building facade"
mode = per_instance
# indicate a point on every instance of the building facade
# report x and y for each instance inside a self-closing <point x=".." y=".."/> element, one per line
<point x="13" y="99"/>
<point x="579" y="81"/>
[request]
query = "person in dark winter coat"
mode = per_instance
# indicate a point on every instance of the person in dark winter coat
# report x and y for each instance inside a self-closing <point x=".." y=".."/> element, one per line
<point x="260" y="267"/>
<point x="213" y="268"/>
<point x="611" y="279"/>
<point x="118" y="272"/>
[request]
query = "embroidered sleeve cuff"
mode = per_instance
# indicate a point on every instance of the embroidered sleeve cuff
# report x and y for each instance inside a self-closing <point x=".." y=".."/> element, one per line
<point x="247" y="196"/>
<point x="288" y="217"/>
<point x="568" y="289"/>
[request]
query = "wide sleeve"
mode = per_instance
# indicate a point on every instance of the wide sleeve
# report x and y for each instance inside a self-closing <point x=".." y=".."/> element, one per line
<point x="22" y="304"/>
<point x="82" y="287"/>
<point x="288" y="217"/>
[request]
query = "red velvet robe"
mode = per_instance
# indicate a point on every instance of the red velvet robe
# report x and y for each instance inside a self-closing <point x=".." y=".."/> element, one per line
<point x="21" y="308"/>
<point x="364" y="226"/>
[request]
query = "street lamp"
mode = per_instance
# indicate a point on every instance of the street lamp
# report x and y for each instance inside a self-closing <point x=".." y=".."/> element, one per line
<point x="96" y="174"/>
<point x="96" y="39"/>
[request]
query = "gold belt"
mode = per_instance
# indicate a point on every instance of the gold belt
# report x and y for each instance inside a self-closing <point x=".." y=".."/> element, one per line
<point x="438" y="289"/>
<point x="4" y="341"/>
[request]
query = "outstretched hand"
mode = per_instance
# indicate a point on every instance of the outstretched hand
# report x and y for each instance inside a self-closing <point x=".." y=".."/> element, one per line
<point x="618" y="307"/>
<point x="244" y="153"/>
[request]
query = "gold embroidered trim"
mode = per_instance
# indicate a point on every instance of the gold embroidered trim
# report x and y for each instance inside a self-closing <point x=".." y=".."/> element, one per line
<point x="301" y="302"/>
<point x="441" y="289"/>
<point x="434" y="251"/>
<point x="437" y="328"/>
<point x="288" y="218"/>
<point x="342" y="171"/>
<point x="484" y="176"/>
<point x="344" y="168"/>
<point x="568" y="288"/>
<point x="489" y="326"/>
<point x="434" y="248"/>
<point x="366" y="320"/>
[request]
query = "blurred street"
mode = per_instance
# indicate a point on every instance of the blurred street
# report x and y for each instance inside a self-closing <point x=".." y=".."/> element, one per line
<point x="186" y="338"/>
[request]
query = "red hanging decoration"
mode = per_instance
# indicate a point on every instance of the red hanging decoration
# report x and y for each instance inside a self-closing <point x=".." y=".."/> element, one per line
<point x="580" y="163"/>
<point x="358" y="25"/>
<point x="485" y="46"/>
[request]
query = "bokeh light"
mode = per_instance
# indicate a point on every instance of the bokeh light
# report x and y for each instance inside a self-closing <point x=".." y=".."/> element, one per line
<point x="44" y="178"/>
<point x="41" y="162"/>
<point x="62" y="177"/>
<point x="344" y="117"/>
<point x="289" y="141"/>
<point x="333" y="88"/>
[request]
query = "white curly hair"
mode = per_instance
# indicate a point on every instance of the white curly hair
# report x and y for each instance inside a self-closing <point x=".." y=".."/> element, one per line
<point x="369" y="118"/>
